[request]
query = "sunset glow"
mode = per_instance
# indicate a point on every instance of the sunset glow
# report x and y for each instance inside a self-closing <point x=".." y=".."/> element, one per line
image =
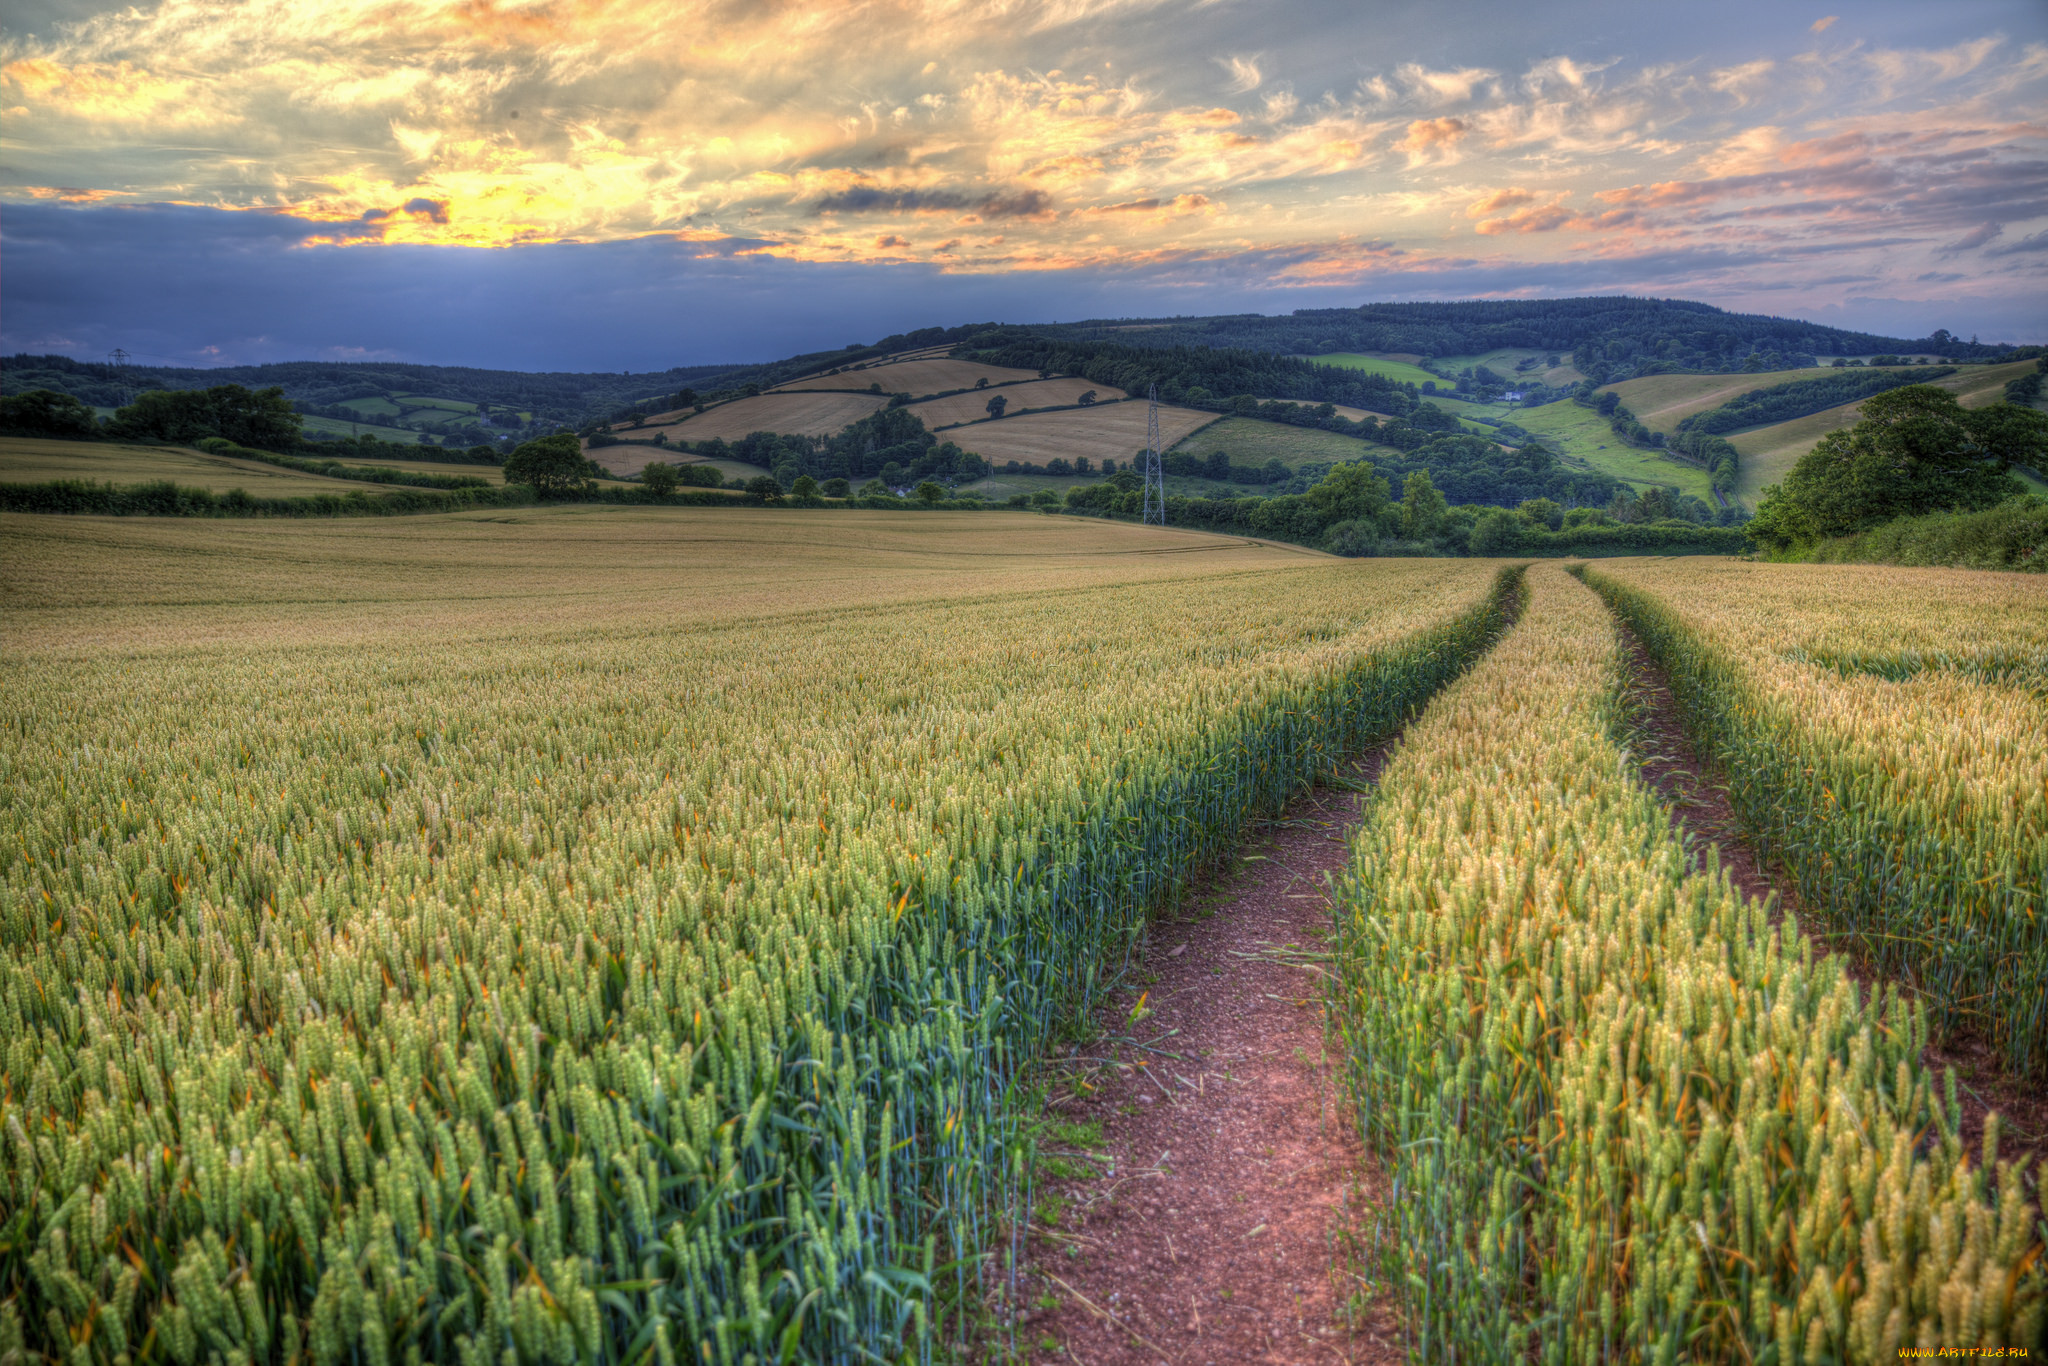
<point x="1884" y="153"/>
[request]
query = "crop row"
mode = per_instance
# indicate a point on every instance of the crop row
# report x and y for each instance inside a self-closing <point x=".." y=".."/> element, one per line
<point x="634" y="995"/>
<point x="1628" y="1118"/>
<point x="1883" y="737"/>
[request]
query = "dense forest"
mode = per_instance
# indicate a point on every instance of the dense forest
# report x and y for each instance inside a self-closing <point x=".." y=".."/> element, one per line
<point x="1800" y="397"/>
<point x="1197" y="376"/>
<point x="1610" y="333"/>
<point x="554" y="399"/>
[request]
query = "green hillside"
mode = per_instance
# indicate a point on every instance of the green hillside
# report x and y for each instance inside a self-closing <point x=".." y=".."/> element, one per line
<point x="1377" y="365"/>
<point x="1584" y="438"/>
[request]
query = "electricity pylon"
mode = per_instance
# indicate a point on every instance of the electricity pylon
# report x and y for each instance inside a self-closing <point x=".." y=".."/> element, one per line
<point x="1155" y="476"/>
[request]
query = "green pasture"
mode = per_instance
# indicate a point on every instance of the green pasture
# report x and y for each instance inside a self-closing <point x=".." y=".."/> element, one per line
<point x="1376" y="365"/>
<point x="1585" y="439"/>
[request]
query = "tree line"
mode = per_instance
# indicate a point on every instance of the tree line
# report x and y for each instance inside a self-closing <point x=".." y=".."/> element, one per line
<point x="1192" y="376"/>
<point x="1803" y="397"/>
<point x="1613" y="329"/>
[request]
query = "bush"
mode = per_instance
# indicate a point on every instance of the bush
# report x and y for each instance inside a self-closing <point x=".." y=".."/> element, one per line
<point x="659" y="479"/>
<point x="1354" y="539"/>
<point x="837" y="488"/>
<point x="1498" y="532"/>
<point x="2013" y="535"/>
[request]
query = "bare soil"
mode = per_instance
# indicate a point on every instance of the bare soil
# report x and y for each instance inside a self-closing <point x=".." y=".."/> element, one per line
<point x="1697" y="794"/>
<point x="1200" y="1201"/>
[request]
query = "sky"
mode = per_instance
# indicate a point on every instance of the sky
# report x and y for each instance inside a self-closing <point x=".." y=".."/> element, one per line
<point x="595" y="185"/>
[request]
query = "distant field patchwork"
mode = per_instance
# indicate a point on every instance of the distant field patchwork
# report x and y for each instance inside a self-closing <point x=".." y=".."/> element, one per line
<point x="789" y="414"/>
<point x="1249" y="441"/>
<point x="928" y="375"/>
<point x="1115" y="431"/>
<point x="1768" y="453"/>
<point x="1660" y="402"/>
<point x="1044" y="393"/>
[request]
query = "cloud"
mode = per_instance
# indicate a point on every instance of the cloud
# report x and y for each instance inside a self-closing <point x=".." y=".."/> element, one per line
<point x="2037" y="242"/>
<point x="806" y="131"/>
<point x="874" y="199"/>
<point x="1244" y="73"/>
<point x="1498" y="200"/>
<point x="1976" y="237"/>
<point x="1821" y="24"/>
<point x="1443" y="87"/>
<point x="1548" y="216"/>
<point x="70" y="194"/>
<point x="1432" y="139"/>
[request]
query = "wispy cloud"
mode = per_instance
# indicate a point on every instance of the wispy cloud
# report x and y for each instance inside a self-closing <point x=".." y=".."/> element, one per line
<point x="1244" y="73"/>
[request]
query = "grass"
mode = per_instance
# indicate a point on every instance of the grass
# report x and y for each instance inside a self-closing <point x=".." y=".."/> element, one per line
<point x="329" y="427"/>
<point x="1503" y="362"/>
<point x="1376" y="365"/>
<point x="1586" y="439"/>
<point x="36" y="460"/>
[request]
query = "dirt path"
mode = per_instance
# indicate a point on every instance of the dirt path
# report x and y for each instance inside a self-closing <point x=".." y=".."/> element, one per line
<point x="1699" y="801"/>
<point x="1198" y="1208"/>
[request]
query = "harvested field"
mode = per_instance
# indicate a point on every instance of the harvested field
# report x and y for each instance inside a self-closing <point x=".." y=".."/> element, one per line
<point x="1045" y="393"/>
<point x="1116" y="430"/>
<point x="37" y="460"/>
<point x="789" y="414"/>
<point x="1248" y="441"/>
<point x="927" y="375"/>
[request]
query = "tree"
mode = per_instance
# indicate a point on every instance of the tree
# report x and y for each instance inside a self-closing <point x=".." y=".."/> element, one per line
<point x="45" y="412"/>
<point x="981" y="382"/>
<point x="1350" y="492"/>
<point x="805" y="489"/>
<point x="1916" y="450"/>
<point x="996" y="405"/>
<point x="262" y="418"/>
<point x="762" y="488"/>
<point x="875" y="488"/>
<point x="553" y="466"/>
<point x="1087" y="399"/>
<point x="1497" y="532"/>
<point x="1422" y="507"/>
<point x="836" y="488"/>
<point x="930" y="494"/>
<point x="659" y="479"/>
<point x="1544" y="512"/>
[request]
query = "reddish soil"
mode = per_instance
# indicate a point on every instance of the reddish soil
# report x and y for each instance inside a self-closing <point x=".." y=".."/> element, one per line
<point x="1215" y="1218"/>
<point x="1699" y="804"/>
